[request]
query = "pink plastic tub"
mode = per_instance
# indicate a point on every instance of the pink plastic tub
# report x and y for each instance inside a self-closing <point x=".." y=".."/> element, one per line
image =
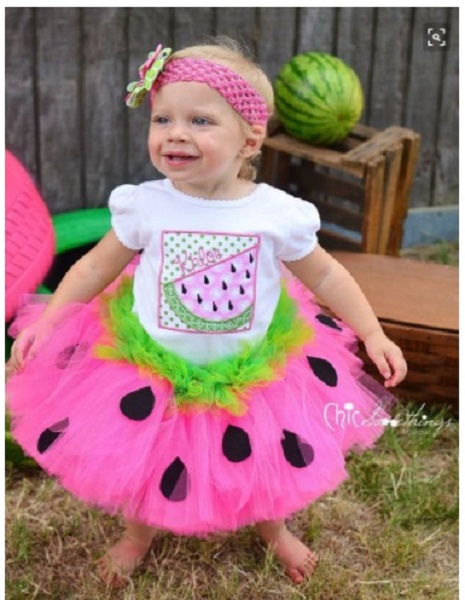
<point x="29" y="236"/>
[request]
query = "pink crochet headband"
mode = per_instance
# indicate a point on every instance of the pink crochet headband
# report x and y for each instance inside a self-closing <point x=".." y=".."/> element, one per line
<point x="157" y="71"/>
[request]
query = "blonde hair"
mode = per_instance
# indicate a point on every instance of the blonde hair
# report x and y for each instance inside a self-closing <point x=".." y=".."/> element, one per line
<point x="226" y="51"/>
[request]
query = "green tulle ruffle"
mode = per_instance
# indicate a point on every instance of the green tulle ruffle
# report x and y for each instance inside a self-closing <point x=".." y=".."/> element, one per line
<point x="222" y="383"/>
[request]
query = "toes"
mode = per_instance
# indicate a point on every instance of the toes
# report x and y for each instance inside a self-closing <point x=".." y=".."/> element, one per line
<point x="103" y="571"/>
<point x="295" y="575"/>
<point x="309" y="565"/>
<point x="311" y="560"/>
<point x="304" y="570"/>
<point x="116" y="567"/>
<point x="109" y="576"/>
<point x="114" y="580"/>
<point x="102" y="568"/>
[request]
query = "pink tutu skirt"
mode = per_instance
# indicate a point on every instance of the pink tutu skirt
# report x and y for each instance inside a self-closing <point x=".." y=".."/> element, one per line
<point x="115" y="434"/>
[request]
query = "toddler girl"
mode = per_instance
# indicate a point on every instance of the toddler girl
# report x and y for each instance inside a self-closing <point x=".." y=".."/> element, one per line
<point x="201" y="391"/>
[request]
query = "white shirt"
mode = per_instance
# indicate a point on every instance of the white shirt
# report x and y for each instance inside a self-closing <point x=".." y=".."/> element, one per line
<point x="209" y="275"/>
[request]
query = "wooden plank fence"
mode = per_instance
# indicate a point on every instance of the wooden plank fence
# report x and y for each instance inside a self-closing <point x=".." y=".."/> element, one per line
<point x="67" y="69"/>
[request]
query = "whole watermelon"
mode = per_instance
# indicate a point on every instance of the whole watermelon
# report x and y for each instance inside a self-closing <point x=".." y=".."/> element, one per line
<point x="319" y="98"/>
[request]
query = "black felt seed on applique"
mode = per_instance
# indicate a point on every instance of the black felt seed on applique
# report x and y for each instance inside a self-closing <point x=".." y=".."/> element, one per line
<point x="297" y="452"/>
<point x="241" y="290"/>
<point x="223" y="285"/>
<point x="175" y="482"/>
<point x="183" y="289"/>
<point x="236" y="444"/>
<point x="324" y="370"/>
<point x="51" y="434"/>
<point x="138" y="405"/>
<point x="328" y="321"/>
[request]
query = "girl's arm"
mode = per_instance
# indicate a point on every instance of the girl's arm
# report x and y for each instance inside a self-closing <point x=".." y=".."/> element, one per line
<point x="89" y="276"/>
<point x="335" y="286"/>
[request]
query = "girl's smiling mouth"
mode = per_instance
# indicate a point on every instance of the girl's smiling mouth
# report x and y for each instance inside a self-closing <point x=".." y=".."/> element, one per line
<point x="179" y="158"/>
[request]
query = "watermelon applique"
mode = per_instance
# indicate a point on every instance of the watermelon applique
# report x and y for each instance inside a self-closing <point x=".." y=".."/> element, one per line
<point x="219" y="297"/>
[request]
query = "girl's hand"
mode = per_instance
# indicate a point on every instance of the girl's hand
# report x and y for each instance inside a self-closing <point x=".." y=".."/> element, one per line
<point x="27" y="343"/>
<point x="387" y="356"/>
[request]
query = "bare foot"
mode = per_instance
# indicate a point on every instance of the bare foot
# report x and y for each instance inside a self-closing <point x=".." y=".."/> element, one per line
<point x="119" y="563"/>
<point x="298" y="560"/>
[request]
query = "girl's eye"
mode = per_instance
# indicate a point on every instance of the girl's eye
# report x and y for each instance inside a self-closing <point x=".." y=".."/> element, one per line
<point x="160" y="120"/>
<point x="200" y="121"/>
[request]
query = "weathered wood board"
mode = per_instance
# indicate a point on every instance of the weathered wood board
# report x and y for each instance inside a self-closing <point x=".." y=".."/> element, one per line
<point x="67" y="70"/>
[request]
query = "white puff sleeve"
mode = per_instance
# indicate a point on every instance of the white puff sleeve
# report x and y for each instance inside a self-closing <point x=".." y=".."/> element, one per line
<point x="302" y="221"/>
<point x="125" y="216"/>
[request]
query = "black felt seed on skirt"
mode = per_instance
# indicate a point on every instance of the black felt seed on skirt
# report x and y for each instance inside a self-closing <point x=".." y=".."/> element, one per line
<point x="138" y="405"/>
<point x="236" y="444"/>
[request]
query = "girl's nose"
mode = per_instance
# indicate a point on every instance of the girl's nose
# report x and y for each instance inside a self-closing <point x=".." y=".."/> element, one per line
<point x="177" y="132"/>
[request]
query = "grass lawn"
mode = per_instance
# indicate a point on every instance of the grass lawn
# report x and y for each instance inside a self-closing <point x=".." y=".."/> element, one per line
<point x="390" y="532"/>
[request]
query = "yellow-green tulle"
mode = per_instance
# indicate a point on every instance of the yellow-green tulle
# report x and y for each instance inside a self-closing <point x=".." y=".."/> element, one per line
<point x="222" y="383"/>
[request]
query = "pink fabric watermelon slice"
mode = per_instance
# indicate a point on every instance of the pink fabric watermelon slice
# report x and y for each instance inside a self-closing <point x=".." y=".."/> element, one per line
<point x="218" y="298"/>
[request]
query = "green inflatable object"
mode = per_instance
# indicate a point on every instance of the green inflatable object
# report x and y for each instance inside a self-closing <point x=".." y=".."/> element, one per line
<point x="72" y="230"/>
<point x="80" y="227"/>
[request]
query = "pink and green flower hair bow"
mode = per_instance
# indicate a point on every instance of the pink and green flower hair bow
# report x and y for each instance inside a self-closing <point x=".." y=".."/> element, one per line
<point x="148" y="72"/>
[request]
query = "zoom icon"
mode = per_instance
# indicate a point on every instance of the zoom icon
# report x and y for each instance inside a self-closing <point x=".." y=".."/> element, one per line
<point x="435" y="36"/>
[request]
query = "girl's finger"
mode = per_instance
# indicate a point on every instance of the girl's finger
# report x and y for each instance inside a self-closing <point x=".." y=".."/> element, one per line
<point x="384" y="369"/>
<point x="21" y="349"/>
<point x="381" y="364"/>
<point x="399" y="367"/>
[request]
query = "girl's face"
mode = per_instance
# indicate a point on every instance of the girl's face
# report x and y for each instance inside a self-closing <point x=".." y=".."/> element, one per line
<point x="199" y="142"/>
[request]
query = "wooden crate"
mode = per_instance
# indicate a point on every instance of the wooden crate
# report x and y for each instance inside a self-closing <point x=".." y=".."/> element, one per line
<point x="417" y="305"/>
<point x="360" y="186"/>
